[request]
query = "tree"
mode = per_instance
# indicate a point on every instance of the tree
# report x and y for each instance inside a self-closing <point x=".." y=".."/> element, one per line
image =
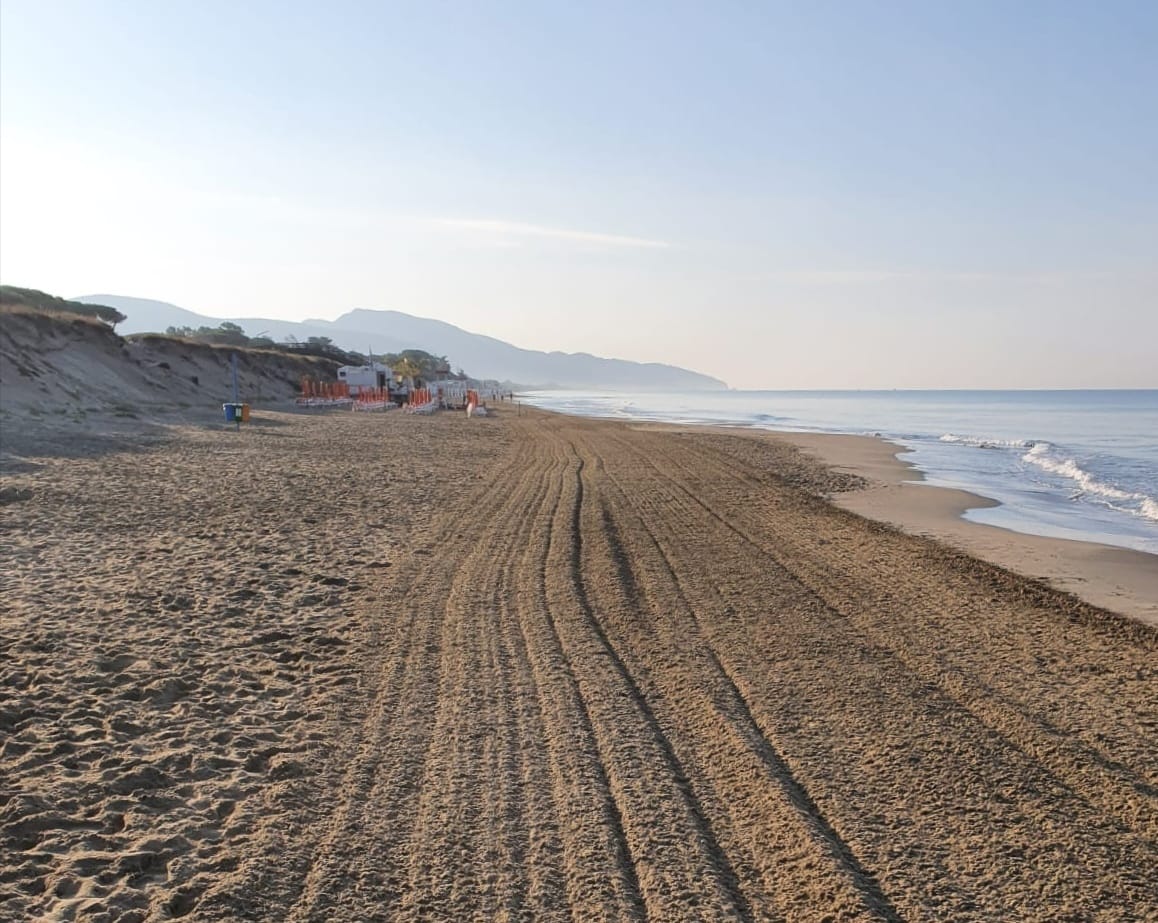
<point x="407" y="368"/>
<point x="226" y="333"/>
<point x="110" y="316"/>
<point x="423" y="364"/>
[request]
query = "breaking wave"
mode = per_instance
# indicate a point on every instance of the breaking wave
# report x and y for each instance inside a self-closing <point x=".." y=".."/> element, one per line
<point x="984" y="443"/>
<point x="1045" y="456"/>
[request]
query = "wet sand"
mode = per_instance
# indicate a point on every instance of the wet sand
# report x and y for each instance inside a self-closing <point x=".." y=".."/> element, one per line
<point x="379" y="667"/>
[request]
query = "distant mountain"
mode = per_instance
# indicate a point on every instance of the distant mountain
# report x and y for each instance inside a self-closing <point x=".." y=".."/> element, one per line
<point x="143" y="315"/>
<point x="392" y="331"/>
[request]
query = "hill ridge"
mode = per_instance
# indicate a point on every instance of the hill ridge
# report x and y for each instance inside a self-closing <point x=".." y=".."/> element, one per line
<point x="388" y="330"/>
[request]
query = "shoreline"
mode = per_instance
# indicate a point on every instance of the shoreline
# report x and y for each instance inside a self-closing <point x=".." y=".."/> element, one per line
<point x="1120" y="579"/>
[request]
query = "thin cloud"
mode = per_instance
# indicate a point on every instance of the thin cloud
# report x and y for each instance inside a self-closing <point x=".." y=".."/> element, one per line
<point x="857" y="277"/>
<point x="839" y="277"/>
<point x="518" y="229"/>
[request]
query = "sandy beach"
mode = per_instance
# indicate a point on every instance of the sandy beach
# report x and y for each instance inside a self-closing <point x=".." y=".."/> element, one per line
<point x="532" y="667"/>
<point x="1119" y="579"/>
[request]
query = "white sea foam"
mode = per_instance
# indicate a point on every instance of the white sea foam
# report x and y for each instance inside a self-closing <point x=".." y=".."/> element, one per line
<point x="1045" y="456"/>
<point x="983" y="442"/>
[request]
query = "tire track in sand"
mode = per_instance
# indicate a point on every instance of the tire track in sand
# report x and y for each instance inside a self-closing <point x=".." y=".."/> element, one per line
<point x="1026" y="815"/>
<point x="784" y="837"/>
<point x="1124" y="794"/>
<point x="959" y="618"/>
<point x="665" y="880"/>
<point x="360" y="861"/>
<point x="472" y="852"/>
<point x="580" y="713"/>
<point x="601" y="878"/>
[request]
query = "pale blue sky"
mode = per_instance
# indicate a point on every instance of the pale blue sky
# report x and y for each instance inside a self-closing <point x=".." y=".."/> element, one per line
<point x="855" y="194"/>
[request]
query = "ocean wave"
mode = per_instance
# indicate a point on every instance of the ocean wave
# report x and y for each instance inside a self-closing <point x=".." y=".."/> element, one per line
<point x="982" y="442"/>
<point x="1043" y="455"/>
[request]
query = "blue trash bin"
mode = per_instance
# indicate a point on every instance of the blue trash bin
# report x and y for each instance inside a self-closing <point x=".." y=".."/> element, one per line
<point x="230" y="412"/>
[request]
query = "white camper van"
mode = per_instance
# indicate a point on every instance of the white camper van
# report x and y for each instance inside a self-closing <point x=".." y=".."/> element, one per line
<point x="365" y="377"/>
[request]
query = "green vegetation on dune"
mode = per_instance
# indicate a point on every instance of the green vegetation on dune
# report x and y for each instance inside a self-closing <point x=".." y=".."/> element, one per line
<point x="42" y="301"/>
<point x="412" y="363"/>
<point x="226" y="333"/>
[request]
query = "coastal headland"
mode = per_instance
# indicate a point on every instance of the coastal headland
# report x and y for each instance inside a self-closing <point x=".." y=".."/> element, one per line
<point x="378" y="666"/>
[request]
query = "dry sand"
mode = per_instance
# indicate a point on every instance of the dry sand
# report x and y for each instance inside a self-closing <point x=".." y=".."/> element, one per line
<point x="380" y="667"/>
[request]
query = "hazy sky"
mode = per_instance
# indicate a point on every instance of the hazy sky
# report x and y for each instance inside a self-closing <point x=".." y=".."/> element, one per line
<point x="807" y="194"/>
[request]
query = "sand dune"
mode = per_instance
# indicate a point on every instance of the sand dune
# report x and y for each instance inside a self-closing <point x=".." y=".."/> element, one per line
<point x="62" y="369"/>
<point x="359" y="667"/>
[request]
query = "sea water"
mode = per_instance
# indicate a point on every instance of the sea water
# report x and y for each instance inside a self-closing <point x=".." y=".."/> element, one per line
<point x="1068" y="464"/>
